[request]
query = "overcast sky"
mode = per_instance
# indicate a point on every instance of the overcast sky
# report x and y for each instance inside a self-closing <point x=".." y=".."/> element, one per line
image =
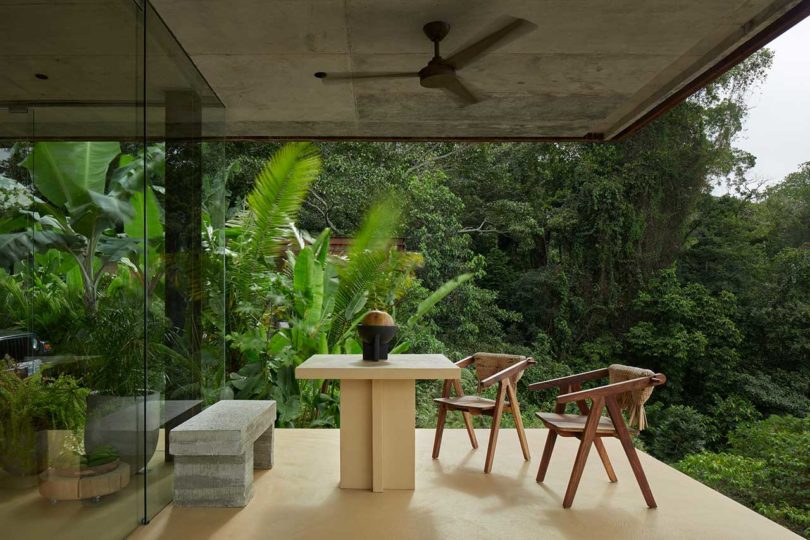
<point x="777" y="130"/>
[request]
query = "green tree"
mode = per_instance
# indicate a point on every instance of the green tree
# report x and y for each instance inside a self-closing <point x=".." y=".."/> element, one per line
<point x="787" y="207"/>
<point x="686" y="333"/>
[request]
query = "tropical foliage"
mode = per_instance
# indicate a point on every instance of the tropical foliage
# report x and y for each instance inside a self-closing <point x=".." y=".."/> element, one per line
<point x="78" y="204"/>
<point x="84" y="216"/>
<point x="288" y="298"/>
<point x="35" y="403"/>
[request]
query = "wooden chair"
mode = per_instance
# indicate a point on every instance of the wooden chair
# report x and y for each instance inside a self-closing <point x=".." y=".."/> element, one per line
<point x="504" y="369"/>
<point x="590" y="426"/>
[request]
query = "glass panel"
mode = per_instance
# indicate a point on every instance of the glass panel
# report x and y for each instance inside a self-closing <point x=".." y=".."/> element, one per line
<point x="72" y="408"/>
<point x="114" y="288"/>
<point x="184" y="265"/>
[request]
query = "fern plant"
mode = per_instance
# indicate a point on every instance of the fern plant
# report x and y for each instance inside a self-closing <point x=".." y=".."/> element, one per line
<point x="31" y="404"/>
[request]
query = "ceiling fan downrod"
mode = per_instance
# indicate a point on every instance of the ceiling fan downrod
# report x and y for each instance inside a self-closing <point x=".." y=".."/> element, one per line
<point x="435" y="32"/>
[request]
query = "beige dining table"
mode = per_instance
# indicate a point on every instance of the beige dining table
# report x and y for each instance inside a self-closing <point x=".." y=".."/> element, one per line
<point x="378" y="413"/>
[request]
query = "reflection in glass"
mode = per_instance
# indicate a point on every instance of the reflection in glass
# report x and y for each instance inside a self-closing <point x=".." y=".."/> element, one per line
<point x="102" y="288"/>
<point x="100" y="253"/>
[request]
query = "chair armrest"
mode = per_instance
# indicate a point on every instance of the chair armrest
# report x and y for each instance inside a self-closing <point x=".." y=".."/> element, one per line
<point x="570" y="380"/>
<point x="507" y="372"/>
<point x="464" y="362"/>
<point x="615" y="388"/>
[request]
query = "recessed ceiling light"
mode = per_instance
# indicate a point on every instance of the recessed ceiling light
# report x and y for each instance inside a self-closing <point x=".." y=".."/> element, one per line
<point x="41" y="76"/>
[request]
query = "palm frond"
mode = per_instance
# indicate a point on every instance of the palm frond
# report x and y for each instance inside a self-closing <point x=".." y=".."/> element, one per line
<point x="367" y="263"/>
<point x="279" y="193"/>
<point x="272" y="206"/>
<point x="437" y="296"/>
<point x="350" y="299"/>
<point x="378" y="228"/>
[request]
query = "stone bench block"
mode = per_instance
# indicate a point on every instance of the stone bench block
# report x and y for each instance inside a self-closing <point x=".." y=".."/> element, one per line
<point x="263" y="450"/>
<point x="216" y="451"/>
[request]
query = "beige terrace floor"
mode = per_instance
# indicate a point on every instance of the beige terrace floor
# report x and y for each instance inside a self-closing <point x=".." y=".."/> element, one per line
<point x="300" y="499"/>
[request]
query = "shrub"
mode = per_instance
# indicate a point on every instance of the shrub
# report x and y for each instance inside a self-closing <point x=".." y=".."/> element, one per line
<point x="727" y="414"/>
<point x="777" y="391"/>
<point x="783" y="443"/>
<point x="794" y="518"/>
<point x="541" y="371"/>
<point x="676" y="431"/>
<point x="730" y="474"/>
<point x="767" y="467"/>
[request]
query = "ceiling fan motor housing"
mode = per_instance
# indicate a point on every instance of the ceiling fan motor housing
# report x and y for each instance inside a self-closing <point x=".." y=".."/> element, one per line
<point x="433" y="75"/>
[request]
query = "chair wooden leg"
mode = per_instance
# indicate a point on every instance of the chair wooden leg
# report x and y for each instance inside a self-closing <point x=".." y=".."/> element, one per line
<point x="582" y="453"/>
<point x="551" y="438"/>
<point x="467" y="416"/>
<point x="437" y="442"/>
<point x="603" y="455"/>
<point x="496" y="426"/>
<point x="468" y="423"/>
<point x="597" y="442"/>
<point x="627" y="443"/>
<point x="546" y="459"/>
<point x="524" y="445"/>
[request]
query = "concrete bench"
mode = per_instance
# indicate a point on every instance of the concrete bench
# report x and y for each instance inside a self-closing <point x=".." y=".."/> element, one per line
<point x="216" y="451"/>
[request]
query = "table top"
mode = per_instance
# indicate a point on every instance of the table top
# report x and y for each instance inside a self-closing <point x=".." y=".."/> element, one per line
<point x="398" y="366"/>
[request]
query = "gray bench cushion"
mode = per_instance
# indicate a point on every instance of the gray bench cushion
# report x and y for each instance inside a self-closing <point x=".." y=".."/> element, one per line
<point x="226" y="428"/>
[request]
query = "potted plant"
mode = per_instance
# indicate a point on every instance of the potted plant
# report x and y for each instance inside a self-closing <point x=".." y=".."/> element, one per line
<point x="124" y="402"/>
<point x="39" y="417"/>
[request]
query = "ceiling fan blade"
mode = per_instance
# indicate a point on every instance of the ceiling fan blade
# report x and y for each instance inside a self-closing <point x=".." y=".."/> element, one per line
<point x="355" y="75"/>
<point x="456" y="88"/>
<point x="507" y="33"/>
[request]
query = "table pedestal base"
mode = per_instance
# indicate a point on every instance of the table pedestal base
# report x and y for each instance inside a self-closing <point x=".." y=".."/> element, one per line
<point x="377" y="434"/>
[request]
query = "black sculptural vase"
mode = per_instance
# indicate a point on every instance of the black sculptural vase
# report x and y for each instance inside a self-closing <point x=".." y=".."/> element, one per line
<point x="376" y="340"/>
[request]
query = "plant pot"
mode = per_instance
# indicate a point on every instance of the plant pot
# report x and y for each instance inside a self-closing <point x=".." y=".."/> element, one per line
<point x="18" y="482"/>
<point x="33" y="453"/>
<point x="83" y="472"/>
<point x="27" y="456"/>
<point x="376" y="340"/>
<point x="119" y="421"/>
<point x="55" y="444"/>
<point x="21" y="457"/>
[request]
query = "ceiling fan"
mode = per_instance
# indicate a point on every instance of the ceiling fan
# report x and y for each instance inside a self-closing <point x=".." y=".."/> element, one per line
<point x="441" y="72"/>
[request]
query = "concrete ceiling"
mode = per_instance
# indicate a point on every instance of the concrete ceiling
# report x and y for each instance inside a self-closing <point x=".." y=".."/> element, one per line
<point x="590" y="70"/>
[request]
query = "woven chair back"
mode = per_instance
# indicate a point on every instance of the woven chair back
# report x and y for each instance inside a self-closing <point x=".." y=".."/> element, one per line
<point x="488" y="364"/>
<point x="634" y="401"/>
